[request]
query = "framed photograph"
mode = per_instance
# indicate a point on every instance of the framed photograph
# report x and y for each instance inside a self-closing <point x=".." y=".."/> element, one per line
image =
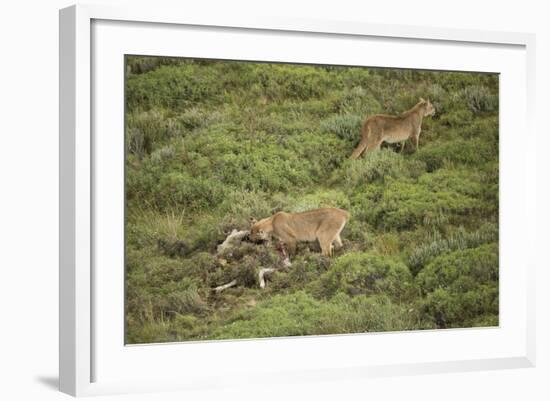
<point x="290" y="200"/>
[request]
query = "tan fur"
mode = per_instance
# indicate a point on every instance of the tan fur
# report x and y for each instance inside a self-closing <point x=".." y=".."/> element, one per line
<point x="386" y="128"/>
<point x="323" y="225"/>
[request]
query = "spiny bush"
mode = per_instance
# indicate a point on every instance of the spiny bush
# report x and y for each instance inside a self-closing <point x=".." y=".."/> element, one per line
<point x="164" y="154"/>
<point x="143" y="64"/>
<point x="241" y="206"/>
<point x="161" y="288"/>
<point x="364" y="273"/>
<point x="345" y="126"/>
<point x="404" y="205"/>
<point x="300" y="314"/>
<point x="326" y="198"/>
<point x="473" y="152"/>
<point x="485" y="128"/>
<point x="480" y="99"/>
<point x="357" y="101"/>
<point x="186" y="192"/>
<point x="270" y="169"/>
<point x="305" y="269"/>
<point x="195" y="117"/>
<point x="456" y="118"/>
<point x="146" y="131"/>
<point x="459" y="239"/>
<point x="280" y="81"/>
<point x="323" y="152"/>
<point x="171" y="86"/>
<point x="377" y="167"/>
<point x="461" y="286"/>
<point x="481" y="264"/>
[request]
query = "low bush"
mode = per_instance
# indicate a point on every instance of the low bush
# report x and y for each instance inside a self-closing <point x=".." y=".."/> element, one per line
<point x="406" y="205"/>
<point x="457" y="240"/>
<point x="461" y="286"/>
<point x="472" y="152"/>
<point x="345" y="126"/>
<point x="300" y="314"/>
<point x="174" y="86"/>
<point x="320" y="199"/>
<point x="281" y="81"/>
<point x="377" y="167"/>
<point x="149" y="130"/>
<point x="480" y="99"/>
<point x="357" y="101"/>
<point x="364" y="273"/>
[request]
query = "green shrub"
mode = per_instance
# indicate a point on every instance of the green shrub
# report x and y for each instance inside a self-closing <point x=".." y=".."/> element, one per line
<point x="363" y="273"/>
<point x="480" y="99"/>
<point x="147" y="130"/>
<point x="300" y="314"/>
<point x="186" y="192"/>
<point x="461" y="286"/>
<point x="456" y="117"/>
<point x="281" y="81"/>
<point x="357" y="101"/>
<point x="472" y="152"/>
<point x="240" y="206"/>
<point x="459" y="239"/>
<point x="481" y="264"/>
<point x="325" y="198"/>
<point x="344" y="126"/>
<point x="178" y="86"/>
<point x="143" y="64"/>
<point x="163" y="154"/>
<point x="320" y="154"/>
<point x="269" y="169"/>
<point x="377" y="167"/>
<point x="405" y="205"/>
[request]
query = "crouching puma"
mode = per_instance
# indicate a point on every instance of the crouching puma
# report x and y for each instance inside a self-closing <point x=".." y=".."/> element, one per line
<point x="323" y="225"/>
<point x="386" y="128"/>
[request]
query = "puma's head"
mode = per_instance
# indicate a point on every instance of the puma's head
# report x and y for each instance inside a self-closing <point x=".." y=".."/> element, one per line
<point x="261" y="230"/>
<point x="429" y="109"/>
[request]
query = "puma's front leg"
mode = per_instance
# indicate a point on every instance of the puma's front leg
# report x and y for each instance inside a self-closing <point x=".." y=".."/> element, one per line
<point x="416" y="137"/>
<point x="291" y="244"/>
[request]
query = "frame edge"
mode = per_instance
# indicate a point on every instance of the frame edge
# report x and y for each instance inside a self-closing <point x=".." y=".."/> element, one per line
<point x="74" y="174"/>
<point x="74" y="201"/>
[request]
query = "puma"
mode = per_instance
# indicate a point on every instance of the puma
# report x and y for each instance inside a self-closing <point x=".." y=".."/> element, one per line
<point x="323" y="225"/>
<point x="386" y="128"/>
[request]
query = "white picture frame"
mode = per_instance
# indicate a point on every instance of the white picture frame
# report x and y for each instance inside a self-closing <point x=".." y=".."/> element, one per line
<point x="84" y="329"/>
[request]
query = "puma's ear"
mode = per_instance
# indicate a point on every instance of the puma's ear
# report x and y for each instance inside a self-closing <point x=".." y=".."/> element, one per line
<point x="253" y="220"/>
<point x="421" y="99"/>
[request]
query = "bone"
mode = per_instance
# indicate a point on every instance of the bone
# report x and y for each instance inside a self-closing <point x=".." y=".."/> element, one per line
<point x="225" y="286"/>
<point x="233" y="239"/>
<point x="262" y="273"/>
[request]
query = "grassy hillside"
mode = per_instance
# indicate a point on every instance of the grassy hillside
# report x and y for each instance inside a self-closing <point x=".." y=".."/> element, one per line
<point x="211" y="145"/>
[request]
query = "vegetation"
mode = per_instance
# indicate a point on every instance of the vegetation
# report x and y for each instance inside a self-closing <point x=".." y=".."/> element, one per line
<point x="212" y="144"/>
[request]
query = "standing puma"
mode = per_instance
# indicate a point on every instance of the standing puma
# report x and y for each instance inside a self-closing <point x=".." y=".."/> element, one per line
<point x="385" y="128"/>
<point x="323" y="225"/>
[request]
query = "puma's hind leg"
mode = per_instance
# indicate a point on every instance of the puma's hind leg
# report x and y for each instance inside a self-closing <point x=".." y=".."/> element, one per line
<point x="359" y="149"/>
<point x="338" y="241"/>
<point x="366" y="135"/>
<point x="326" y="245"/>
<point x="374" y="145"/>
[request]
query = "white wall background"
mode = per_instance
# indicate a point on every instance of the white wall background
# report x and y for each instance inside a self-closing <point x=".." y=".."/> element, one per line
<point x="29" y="187"/>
